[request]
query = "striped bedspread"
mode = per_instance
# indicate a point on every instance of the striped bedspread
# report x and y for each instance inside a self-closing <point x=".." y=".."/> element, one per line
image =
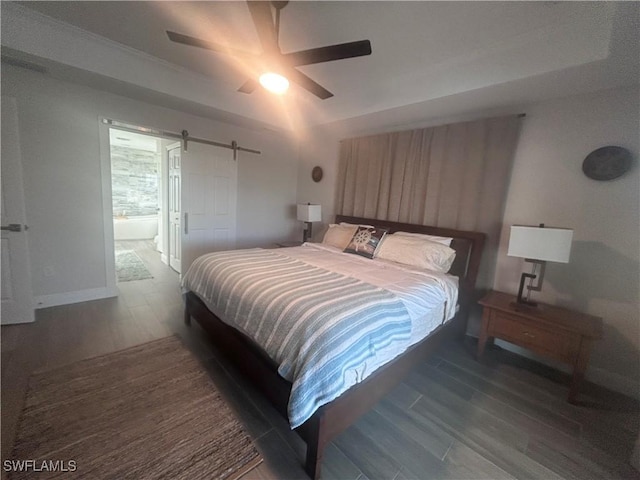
<point x="315" y="324"/>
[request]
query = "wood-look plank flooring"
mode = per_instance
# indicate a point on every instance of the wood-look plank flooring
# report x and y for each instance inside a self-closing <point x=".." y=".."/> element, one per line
<point x="451" y="418"/>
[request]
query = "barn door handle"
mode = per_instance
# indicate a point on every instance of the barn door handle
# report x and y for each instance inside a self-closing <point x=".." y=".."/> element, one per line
<point x="186" y="223"/>
<point x="12" y="227"/>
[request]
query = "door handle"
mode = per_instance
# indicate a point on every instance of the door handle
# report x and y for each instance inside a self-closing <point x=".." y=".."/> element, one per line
<point x="186" y="223"/>
<point x="12" y="227"/>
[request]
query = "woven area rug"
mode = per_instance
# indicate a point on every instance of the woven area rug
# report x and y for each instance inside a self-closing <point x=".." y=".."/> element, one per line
<point x="130" y="267"/>
<point x="148" y="412"/>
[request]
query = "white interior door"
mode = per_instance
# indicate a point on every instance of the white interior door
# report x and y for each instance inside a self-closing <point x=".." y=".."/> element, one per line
<point x="175" y="200"/>
<point x="209" y="192"/>
<point x="17" y="295"/>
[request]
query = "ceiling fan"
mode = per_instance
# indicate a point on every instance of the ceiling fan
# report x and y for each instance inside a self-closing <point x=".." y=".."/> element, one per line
<point x="282" y="64"/>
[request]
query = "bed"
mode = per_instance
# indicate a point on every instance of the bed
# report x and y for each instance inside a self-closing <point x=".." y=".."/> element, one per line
<point x="245" y="345"/>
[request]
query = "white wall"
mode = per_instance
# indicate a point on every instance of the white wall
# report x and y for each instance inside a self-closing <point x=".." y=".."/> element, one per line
<point x="548" y="186"/>
<point x="60" y="145"/>
<point x="320" y="150"/>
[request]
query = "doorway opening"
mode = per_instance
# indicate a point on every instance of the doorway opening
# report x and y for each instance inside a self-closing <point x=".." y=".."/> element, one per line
<point x="202" y="216"/>
<point x="140" y="201"/>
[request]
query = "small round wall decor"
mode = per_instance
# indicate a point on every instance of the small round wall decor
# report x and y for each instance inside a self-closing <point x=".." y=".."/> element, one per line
<point x="607" y="163"/>
<point x="316" y="174"/>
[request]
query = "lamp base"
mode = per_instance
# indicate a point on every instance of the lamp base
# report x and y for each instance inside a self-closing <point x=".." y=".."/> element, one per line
<point x="306" y="233"/>
<point x="522" y="300"/>
<point x="532" y="276"/>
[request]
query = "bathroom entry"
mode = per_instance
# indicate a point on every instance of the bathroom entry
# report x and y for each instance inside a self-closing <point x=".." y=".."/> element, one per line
<point x="202" y="182"/>
<point x="139" y="191"/>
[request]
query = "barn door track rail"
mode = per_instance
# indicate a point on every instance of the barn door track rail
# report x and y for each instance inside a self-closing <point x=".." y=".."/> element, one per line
<point x="184" y="136"/>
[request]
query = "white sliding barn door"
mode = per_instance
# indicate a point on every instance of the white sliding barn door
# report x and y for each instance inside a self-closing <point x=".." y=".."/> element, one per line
<point x="209" y="191"/>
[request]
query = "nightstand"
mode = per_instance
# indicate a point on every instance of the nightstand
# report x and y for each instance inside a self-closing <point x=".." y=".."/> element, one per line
<point x="553" y="332"/>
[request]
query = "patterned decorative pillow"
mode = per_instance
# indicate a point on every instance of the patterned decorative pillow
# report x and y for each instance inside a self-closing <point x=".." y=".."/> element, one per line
<point x="339" y="236"/>
<point x="365" y="241"/>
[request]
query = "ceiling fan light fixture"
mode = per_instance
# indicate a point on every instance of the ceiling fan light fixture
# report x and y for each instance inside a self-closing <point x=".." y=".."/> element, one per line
<point x="268" y="30"/>
<point x="274" y="82"/>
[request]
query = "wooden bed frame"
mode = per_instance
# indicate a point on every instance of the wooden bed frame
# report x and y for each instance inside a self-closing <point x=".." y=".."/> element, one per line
<point x="332" y="418"/>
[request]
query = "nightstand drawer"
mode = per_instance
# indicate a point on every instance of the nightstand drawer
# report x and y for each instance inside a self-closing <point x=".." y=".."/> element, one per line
<point x="562" y="346"/>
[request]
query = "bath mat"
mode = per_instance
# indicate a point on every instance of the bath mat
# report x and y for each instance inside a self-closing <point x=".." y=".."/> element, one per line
<point x="129" y="266"/>
<point x="147" y="412"/>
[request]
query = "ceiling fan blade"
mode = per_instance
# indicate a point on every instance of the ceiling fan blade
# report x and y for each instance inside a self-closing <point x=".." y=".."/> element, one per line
<point x="329" y="53"/>
<point x="198" y="42"/>
<point x="308" y="84"/>
<point x="249" y="86"/>
<point x="263" y="20"/>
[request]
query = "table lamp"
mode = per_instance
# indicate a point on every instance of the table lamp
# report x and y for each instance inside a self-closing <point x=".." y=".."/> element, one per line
<point x="538" y="245"/>
<point x="309" y="213"/>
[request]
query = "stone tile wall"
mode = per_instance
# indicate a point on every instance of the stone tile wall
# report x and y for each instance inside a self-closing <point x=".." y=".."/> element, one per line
<point x="135" y="177"/>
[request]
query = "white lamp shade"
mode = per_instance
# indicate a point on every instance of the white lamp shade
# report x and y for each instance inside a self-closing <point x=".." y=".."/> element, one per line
<point x="310" y="213"/>
<point x="540" y="243"/>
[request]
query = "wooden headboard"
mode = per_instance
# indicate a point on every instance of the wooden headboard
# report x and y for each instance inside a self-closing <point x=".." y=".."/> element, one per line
<point x="468" y="246"/>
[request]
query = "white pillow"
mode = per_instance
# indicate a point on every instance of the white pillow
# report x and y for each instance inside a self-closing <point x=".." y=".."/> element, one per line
<point x="416" y="252"/>
<point x="443" y="240"/>
<point x="339" y="236"/>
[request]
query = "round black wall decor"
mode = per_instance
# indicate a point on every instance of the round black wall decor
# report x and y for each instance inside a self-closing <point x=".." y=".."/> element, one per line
<point x="607" y="163"/>
<point x="316" y="174"/>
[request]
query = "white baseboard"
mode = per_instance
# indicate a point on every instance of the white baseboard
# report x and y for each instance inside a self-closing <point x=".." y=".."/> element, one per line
<point x="44" y="301"/>
<point x="164" y="259"/>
